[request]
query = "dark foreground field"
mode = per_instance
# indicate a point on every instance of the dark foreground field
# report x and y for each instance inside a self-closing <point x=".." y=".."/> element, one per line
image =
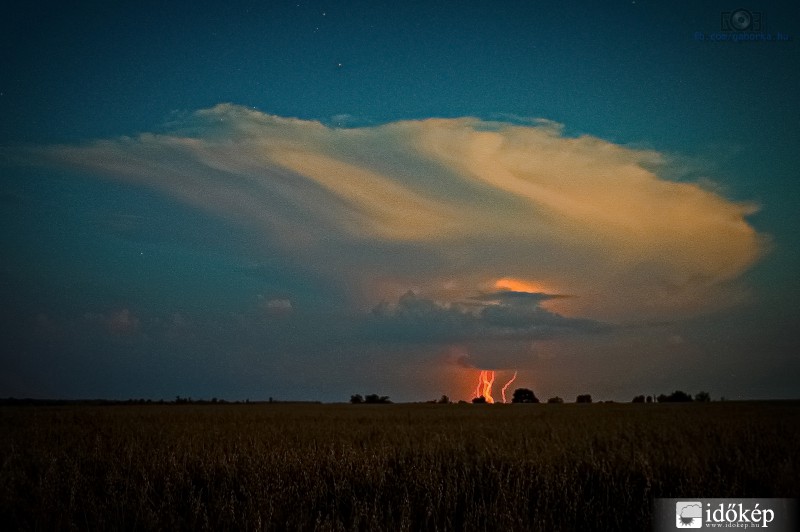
<point x="385" y="467"/>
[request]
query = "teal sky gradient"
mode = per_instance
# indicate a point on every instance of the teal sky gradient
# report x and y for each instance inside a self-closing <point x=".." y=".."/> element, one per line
<point x="115" y="288"/>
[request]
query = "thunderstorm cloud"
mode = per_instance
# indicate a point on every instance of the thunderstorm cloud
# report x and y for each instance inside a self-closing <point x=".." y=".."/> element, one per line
<point x="448" y="208"/>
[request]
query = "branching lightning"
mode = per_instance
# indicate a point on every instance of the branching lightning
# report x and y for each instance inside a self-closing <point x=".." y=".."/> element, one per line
<point x="485" y="383"/>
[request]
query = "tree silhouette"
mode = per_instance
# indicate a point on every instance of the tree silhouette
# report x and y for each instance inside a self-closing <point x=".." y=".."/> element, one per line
<point x="675" y="397"/>
<point x="444" y="400"/>
<point x="555" y="400"/>
<point x="638" y="399"/>
<point x="702" y="397"/>
<point x="356" y="399"/>
<point x="479" y="400"/>
<point x="524" y="395"/>
<point x="374" y="399"/>
<point x="585" y="398"/>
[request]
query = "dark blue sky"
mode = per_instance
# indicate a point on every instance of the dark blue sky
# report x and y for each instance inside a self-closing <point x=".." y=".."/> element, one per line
<point x="156" y="242"/>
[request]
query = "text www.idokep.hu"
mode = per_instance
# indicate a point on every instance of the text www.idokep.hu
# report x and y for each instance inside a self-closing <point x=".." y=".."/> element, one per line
<point x="755" y="36"/>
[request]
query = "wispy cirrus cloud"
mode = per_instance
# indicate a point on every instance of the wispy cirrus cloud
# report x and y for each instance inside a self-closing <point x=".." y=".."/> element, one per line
<point x="449" y="207"/>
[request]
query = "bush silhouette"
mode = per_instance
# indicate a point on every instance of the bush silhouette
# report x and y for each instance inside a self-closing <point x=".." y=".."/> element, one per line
<point x="375" y="399"/>
<point x="372" y="399"/>
<point x="702" y="397"/>
<point x="675" y="397"/>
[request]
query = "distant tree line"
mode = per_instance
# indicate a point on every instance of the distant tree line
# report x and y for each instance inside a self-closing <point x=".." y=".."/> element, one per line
<point x="525" y="395"/>
<point x="520" y="395"/>
<point x="371" y="399"/>
<point x="179" y="400"/>
<point x="677" y="396"/>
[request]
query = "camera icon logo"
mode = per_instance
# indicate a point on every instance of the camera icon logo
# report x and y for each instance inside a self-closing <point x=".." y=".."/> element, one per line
<point x="741" y="20"/>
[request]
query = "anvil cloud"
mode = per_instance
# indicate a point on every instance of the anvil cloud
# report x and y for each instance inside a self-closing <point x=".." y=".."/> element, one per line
<point x="448" y="207"/>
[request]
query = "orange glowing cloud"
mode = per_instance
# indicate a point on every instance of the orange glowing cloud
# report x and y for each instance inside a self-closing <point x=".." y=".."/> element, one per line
<point x="518" y="285"/>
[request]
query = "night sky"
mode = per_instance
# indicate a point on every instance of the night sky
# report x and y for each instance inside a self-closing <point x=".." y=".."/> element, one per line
<point x="308" y="200"/>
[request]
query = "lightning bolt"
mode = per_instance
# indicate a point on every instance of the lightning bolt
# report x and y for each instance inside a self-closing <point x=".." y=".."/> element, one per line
<point x="507" y="385"/>
<point x="485" y="383"/>
<point x="487" y="386"/>
<point x="484" y="388"/>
